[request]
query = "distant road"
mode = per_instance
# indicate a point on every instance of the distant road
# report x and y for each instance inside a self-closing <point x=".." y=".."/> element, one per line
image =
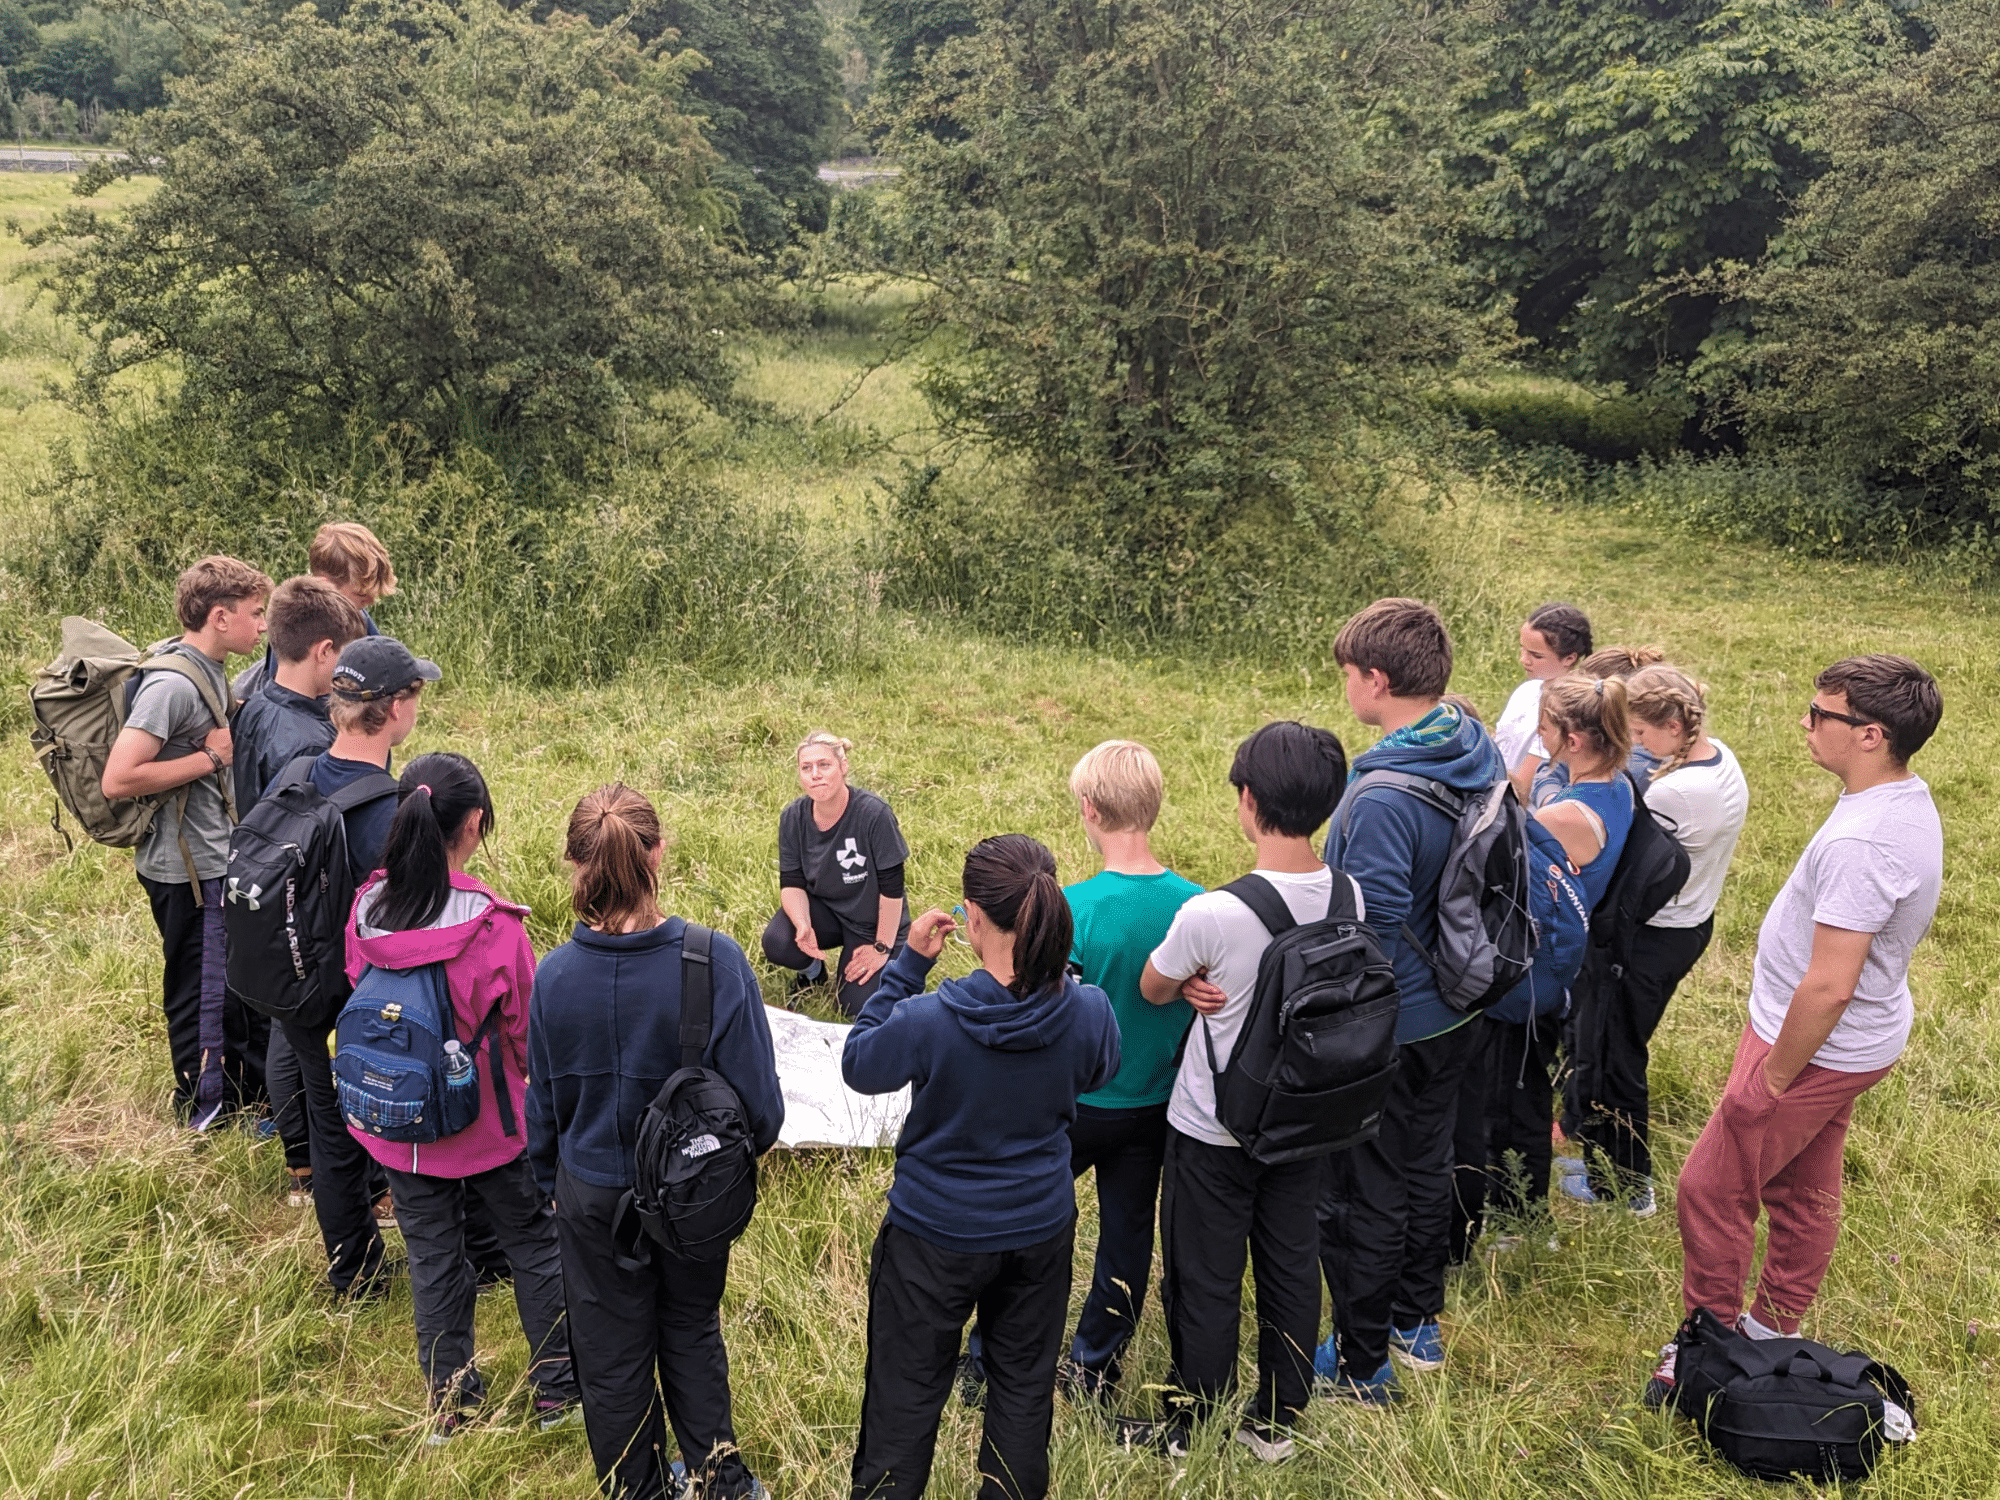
<point x="858" y="172"/>
<point x="853" y="173"/>
<point x="47" y="159"/>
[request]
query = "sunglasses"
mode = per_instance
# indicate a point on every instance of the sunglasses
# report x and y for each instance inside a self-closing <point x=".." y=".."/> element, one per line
<point x="958" y="932"/>
<point x="1817" y="714"/>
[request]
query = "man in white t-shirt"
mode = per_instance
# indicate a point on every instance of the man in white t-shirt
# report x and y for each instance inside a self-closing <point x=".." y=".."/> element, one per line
<point x="1217" y="1206"/>
<point x="1830" y="1006"/>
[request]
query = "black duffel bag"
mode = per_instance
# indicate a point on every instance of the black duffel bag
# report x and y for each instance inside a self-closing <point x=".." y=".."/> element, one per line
<point x="1786" y="1407"/>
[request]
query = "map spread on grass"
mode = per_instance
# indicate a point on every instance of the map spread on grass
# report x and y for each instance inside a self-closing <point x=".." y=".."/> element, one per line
<point x="820" y="1109"/>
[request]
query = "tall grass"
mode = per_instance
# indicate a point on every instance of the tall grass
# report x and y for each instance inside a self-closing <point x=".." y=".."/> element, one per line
<point x="161" y="1329"/>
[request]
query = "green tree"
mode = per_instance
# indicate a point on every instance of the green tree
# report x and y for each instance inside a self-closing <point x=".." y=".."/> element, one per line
<point x="907" y="32"/>
<point x="1175" y="251"/>
<point x="770" y="92"/>
<point x="75" y="64"/>
<point x="20" y="37"/>
<point x="1614" y="148"/>
<point x="1877" y="341"/>
<point x="447" y="218"/>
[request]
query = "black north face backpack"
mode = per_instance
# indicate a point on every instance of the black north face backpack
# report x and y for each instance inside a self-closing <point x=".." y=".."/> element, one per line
<point x="286" y="894"/>
<point x="1779" y="1408"/>
<point x="1316" y="1053"/>
<point x="695" y="1184"/>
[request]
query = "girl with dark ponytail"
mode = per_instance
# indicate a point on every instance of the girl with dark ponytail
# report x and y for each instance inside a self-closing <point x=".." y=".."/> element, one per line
<point x="982" y="1214"/>
<point x="422" y="909"/>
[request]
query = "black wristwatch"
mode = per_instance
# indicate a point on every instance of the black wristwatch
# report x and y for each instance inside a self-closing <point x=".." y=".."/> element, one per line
<point x="880" y="947"/>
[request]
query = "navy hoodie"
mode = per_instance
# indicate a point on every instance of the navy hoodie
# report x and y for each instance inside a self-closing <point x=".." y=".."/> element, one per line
<point x="1394" y="846"/>
<point x="604" y="1033"/>
<point x="983" y="1161"/>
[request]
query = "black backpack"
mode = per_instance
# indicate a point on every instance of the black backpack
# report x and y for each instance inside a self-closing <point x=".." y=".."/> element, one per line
<point x="1650" y="872"/>
<point x="1486" y="933"/>
<point x="1776" y="1408"/>
<point x="287" y="892"/>
<point x="695" y="1184"/>
<point x="1316" y="1053"/>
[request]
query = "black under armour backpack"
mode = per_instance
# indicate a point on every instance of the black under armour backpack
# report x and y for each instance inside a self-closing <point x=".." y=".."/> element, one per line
<point x="286" y="895"/>
<point x="695" y="1178"/>
<point x="1316" y="1054"/>
<point x="1780" y="1408"/>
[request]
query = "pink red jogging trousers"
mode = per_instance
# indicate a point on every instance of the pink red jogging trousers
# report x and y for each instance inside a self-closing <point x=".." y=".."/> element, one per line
<point x="1782" y="1155"/>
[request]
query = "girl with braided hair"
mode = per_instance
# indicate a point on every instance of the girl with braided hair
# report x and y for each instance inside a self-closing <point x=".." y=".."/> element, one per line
<point x="1700" y="790"/>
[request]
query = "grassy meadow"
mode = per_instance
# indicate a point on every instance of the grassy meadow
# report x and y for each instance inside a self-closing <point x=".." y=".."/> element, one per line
<point x="161" y="1331"/>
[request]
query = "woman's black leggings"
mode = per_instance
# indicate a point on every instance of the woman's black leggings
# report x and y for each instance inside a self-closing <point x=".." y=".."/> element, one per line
<point x="836" y="940"/>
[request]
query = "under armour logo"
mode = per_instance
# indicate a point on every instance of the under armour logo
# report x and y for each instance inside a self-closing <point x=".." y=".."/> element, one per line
<point x="849" y="857"/>
<point x="249" y="897"/>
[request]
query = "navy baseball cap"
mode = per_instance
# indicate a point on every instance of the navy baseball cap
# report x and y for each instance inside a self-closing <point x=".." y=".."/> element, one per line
<point x="379" y="666"/>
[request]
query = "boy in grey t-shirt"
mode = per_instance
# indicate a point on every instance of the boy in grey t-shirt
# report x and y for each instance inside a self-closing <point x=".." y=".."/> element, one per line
<point x="175" y="749"/>
<point x="1829" y="1007"/>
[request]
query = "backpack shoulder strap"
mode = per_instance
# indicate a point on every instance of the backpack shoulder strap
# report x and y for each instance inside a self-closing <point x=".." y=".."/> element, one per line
<point x="1435" y="794"/>
<point x="488" y="1031"/>
<point x="1344" y="904"/>
<point x="362" y="792"/>
<point x="697" y="994"/>
<point x="177" y="663"/>
<point x="1257" y="893"/>
<point x="218" y="707"/>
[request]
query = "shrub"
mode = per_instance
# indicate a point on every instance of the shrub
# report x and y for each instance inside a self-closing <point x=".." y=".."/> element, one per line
<point x="1005" y="557"/>
<point x="413" y="214"/>
<point x="1610" y="429"/>
<point x="1175" y="257"/>
<point x="520" y="576"/>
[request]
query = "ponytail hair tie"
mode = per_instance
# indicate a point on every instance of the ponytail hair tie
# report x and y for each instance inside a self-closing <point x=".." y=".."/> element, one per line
<point x="423" y="788"/>
<point x="1600" y="690"/>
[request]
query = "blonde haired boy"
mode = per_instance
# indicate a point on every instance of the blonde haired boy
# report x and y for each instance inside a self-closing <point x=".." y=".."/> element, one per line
<point x="349" y="556"/>
<point x="1121" y="915"/>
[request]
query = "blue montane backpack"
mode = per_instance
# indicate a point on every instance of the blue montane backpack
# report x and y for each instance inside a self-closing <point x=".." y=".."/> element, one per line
<point x="1561" y="916"/>
<point x="397" y="1062"/>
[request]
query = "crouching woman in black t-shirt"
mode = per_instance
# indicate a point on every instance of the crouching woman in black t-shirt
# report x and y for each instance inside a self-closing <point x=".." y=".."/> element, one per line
<point x="840" y="878"/>
<point x="603" y="1035"/>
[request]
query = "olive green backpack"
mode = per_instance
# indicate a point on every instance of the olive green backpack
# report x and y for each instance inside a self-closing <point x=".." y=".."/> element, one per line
<point x="79" y="702"/>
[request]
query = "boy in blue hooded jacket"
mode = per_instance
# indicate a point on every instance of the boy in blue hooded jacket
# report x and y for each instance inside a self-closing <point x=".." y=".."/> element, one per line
<point x="982" y="1213"/>
<point x="1385" y="1215"/>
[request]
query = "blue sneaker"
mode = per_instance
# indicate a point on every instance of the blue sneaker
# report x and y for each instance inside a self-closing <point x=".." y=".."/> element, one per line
<point x="1378" y="1390"/>
<point x="1326" y="1359"/>
<point x="1577" y="1185"/>
<point x="1568" y="1166"/>
<point x="1419" y="1348"/>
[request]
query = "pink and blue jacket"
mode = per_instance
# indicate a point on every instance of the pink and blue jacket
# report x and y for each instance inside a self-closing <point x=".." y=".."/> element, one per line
<point x="488" y="962"/>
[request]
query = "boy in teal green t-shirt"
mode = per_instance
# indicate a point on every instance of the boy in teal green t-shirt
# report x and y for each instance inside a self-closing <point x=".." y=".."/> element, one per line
<point x="1121" y="916"/>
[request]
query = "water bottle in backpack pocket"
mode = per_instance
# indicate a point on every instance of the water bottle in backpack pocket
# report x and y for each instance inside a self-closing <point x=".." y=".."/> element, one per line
<point x="401" y="1072"/>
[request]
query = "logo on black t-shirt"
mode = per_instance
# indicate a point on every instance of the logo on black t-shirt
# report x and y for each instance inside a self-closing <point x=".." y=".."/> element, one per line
<point x="852" y="861"/>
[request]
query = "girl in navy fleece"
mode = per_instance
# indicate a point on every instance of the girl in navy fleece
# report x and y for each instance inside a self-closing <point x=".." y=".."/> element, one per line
<point x="603" y="1035"/>
<point x="982" y="1214"/>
